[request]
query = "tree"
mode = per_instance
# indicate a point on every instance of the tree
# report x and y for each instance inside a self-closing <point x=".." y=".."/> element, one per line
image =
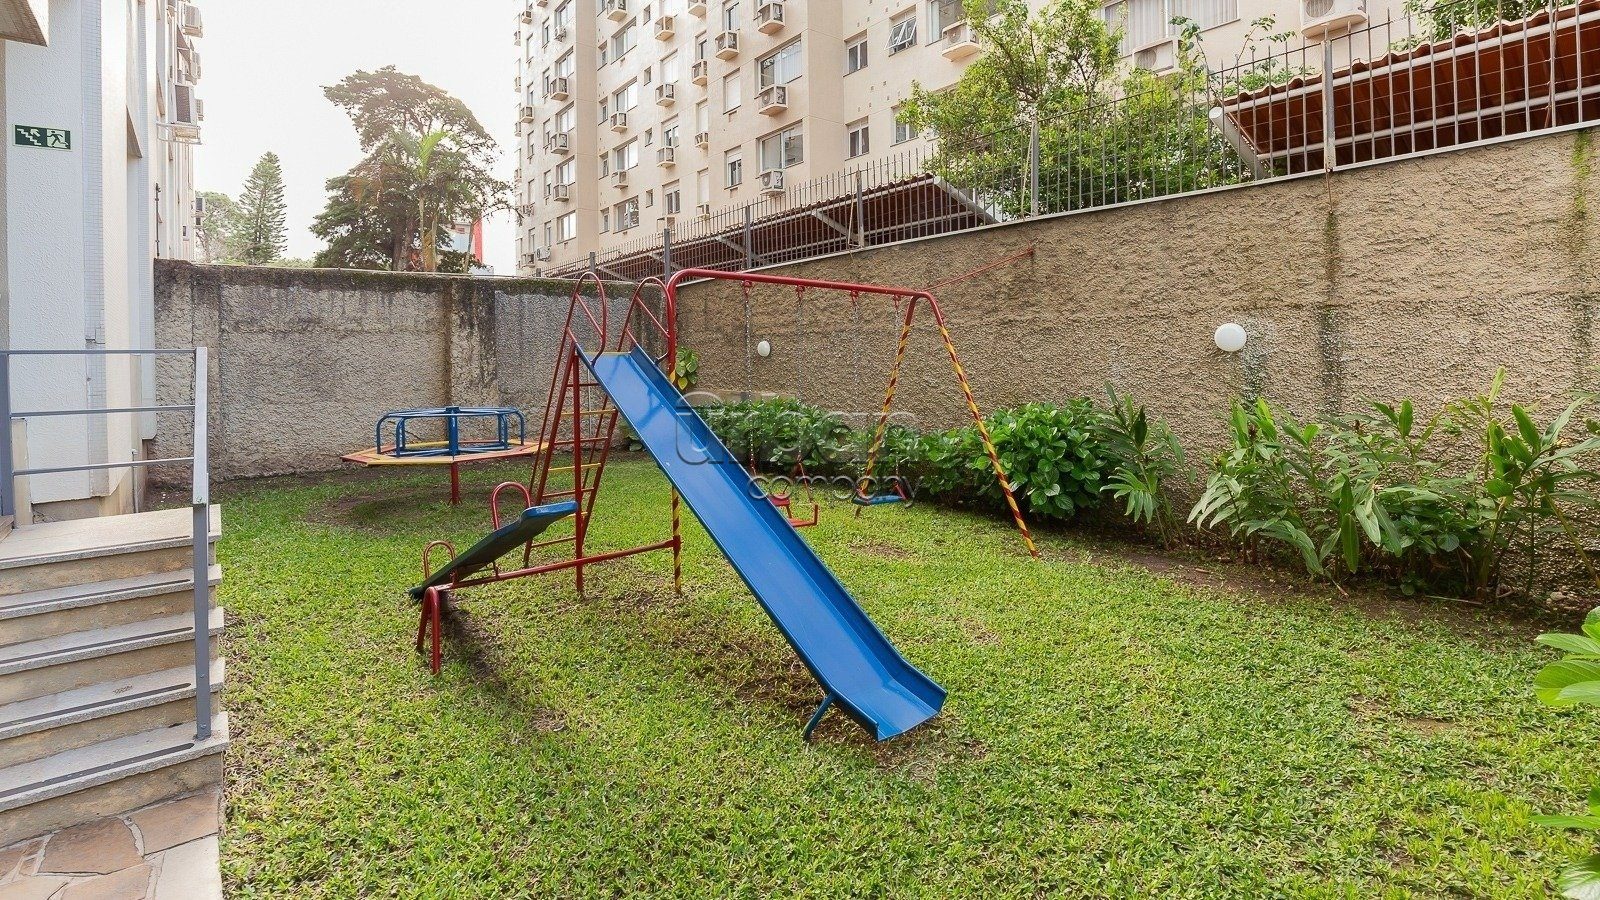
<point x="261" y="214"/>
<point x="216" y="227"/>
<point x="1105" y="134"/>
<point x="426" y="163"/>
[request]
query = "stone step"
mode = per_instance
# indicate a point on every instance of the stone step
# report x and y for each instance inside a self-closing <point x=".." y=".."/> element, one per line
<point x="107" y="548"/>
<point x="108" y="778"/>
<point x="36" y="728"/>
<point x="83" y="658"/>
<point x="46" y="613"/>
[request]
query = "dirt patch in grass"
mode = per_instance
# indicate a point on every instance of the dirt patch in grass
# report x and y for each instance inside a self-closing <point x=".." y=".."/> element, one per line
<point x="397" y="513"/>
<point x="882" y="550"/>
<point x="1378" y="710"/>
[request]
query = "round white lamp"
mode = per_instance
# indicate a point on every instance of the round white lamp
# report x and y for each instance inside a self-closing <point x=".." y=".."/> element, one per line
<point x="763" y="349"/>
<point x="1230" y="337"/>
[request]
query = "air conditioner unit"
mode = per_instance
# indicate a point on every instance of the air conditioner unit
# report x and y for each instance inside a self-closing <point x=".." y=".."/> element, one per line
<point x="666" y="94"/>
<point x="185" y="113"/>
<point x="1323" y="19"/>
<point x="957" y="41"/>
<point x="616" y="10"/>
<point x="703" y="210"/>
<point x="192" y="24"/>
<point x="516" y="37"/>
<point x="664" y="29"/>
<point x="1159" y="57"/>
<point x="702" y="139"/>
<point x="619" y="121"/>
<point x="542" y="254"/>
<point x="667" y="156"/>
<point x="527" y="17"/>
<point x="559" y="143"/>
<point x="769" y="18"/>
<point x="772" y="182"/>
<point x="700" y="72"/>
<point x="541" y="3"/>
<point x="728" y="45"/>
<point x="527" y="114"/>
<point x="773" y="100"/>
<point x="559" y="32"/>
<point x="562" y="192"/>
<point x="697" y="8"/>
<point x="560" y="88"/>
<point x="619" y="179"/>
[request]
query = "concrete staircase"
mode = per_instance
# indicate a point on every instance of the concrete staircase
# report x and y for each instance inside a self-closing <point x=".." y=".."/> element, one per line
<point x="97" y="670"/>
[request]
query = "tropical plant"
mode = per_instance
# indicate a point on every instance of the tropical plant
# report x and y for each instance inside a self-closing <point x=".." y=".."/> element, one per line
<point x="1141" y="458"/>
<point x="1574" y="680"/>
<point x="780" y="433"/>
<point x="1050" y="454"/>
<point x="258" y="227"/>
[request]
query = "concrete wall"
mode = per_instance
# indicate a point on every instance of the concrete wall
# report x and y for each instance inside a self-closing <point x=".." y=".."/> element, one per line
<point x="305" y="360"/>
<point x="1410" y="279"/>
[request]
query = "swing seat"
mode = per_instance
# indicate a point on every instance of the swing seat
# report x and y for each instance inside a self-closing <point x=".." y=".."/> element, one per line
<point x="875" y="499"/>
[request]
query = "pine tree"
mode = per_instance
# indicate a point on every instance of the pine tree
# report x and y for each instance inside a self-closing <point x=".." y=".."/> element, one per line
<point x="261" y="216"/>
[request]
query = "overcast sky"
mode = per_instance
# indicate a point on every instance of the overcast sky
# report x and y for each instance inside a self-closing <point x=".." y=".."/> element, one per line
<point x="266" y="63"/>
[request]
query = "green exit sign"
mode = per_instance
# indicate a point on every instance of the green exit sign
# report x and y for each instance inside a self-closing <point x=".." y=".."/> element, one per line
<point x="41" y="137"/>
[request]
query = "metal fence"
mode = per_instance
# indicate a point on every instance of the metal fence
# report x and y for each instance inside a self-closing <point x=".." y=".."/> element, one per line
<point x="11" y="477"/>
<point x="1416" y="82"/>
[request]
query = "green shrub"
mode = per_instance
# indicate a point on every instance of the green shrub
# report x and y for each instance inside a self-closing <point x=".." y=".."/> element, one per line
<point x="1050" y="453"/>
<point x="776" y="433"/>
<point x="1141" y="457"/>
<point x="1574" y="680"/>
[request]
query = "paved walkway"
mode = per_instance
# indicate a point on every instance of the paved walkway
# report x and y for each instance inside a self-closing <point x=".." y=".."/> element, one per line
<point x="163" y="852"/>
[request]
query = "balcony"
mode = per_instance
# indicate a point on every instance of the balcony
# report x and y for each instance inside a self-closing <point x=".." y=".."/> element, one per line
<point x="666" y="94"/>
<point x="957" y="41"/>
<point x="769" y="18"/>
<point x="665" y="29"/>
<point x="728" y="45"/>
<point x="700" y="72"/>
<point x="773" y="100"/>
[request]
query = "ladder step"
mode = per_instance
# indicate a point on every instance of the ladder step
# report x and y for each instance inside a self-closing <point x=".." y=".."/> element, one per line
<point x="570" y="468"/>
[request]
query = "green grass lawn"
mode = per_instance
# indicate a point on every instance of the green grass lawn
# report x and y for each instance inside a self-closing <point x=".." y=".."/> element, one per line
<point x="1109" y="732"/>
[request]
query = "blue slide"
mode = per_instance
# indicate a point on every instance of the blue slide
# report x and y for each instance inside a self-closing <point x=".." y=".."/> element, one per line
<point x="855" y="664"/>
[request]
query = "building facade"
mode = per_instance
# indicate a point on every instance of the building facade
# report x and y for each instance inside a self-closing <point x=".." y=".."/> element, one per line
<point x="637" y="113"/>
<point x="102" y="122"/>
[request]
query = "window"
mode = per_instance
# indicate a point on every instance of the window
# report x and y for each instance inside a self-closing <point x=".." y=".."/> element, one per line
<point x="671" y="199"/>
<point x="1147" y="23"/>
<point x="623" y="40"/>
<point x="649" y="199"/>
<point x="549" y="179"/>
<point x="627" y="214"/>
<point x="605" y="109"/>
<point x="858" y="138"/>
<point x="565" y="120"/>
<point x="602" y="55"/>
<point x="669" y="133"/>
<point x="670" y="70"/>
<point x="903" y="32"/>
<point x="564" y="15"/>
<point x="565" y="66"/>
<point x="782" y="150"/>
<point x="625" y="157"/>
<point x="702" y="187"/>
<point x="605" y="164"/>
<point x="549" y="233"/>
<point x="644" y="15"/>
<point x="780" y="67"/>
<point x="567" y="172"/>
<point x="567" y="227"/>
<point x="733" y="168"/>
<point x="544" y="34"/>
<point x="701" y="45"/>
<point x="702" y="117"/>
<point x="942" y="14"/>
<point x="903" y="130"/>
<point x="625" y="98"/>
<point x="605" y="220"/>
<point x="732" y="91"/>
<point x="730" y="16"/>
<point x="855" y="54"/>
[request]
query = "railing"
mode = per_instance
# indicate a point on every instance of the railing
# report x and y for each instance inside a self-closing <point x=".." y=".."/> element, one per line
<point x="1410" y="83"/>
<point x="200" y="483"/>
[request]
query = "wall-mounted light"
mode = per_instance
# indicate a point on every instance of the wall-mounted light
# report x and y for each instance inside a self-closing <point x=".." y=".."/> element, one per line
<point x="1230" y="337"/>
<point x="763" y="349"/>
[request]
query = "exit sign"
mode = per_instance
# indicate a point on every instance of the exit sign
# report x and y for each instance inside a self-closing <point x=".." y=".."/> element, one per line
<point x="41" y="137"/>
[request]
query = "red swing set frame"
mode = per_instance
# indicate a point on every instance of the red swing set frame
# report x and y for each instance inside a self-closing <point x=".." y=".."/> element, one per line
<point x="574" y="420"/>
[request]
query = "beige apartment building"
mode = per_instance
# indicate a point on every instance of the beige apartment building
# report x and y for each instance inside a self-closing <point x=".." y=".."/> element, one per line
<point x="641" y="115"/>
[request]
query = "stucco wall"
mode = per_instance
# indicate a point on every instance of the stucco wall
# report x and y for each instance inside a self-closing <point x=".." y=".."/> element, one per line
<point x="1409" y="279"/>
<point x="305" y="360"/>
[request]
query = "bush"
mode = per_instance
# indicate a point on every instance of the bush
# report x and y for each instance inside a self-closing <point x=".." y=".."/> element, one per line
<point x="1142" y="457"/>
<point x="1050" y="453"/>
<point x="776" y="433"/>
<point x="1574" y="680"/>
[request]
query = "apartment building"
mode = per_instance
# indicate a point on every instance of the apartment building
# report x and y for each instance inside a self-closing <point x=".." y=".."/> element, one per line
<point x="635" y="114"/>
<point x="102" y="123"/>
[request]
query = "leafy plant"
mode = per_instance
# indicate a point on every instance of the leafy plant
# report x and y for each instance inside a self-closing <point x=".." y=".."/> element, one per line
<point x="1141" y="458"/>
<point x="685" y="370"/>
<point x="1050" y="453"/>
<point x="1574" y="680"/>
<point x="779" y="433"/>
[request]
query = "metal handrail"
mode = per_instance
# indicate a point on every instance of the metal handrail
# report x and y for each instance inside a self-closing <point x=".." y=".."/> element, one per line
<point x="200" y="484"/>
